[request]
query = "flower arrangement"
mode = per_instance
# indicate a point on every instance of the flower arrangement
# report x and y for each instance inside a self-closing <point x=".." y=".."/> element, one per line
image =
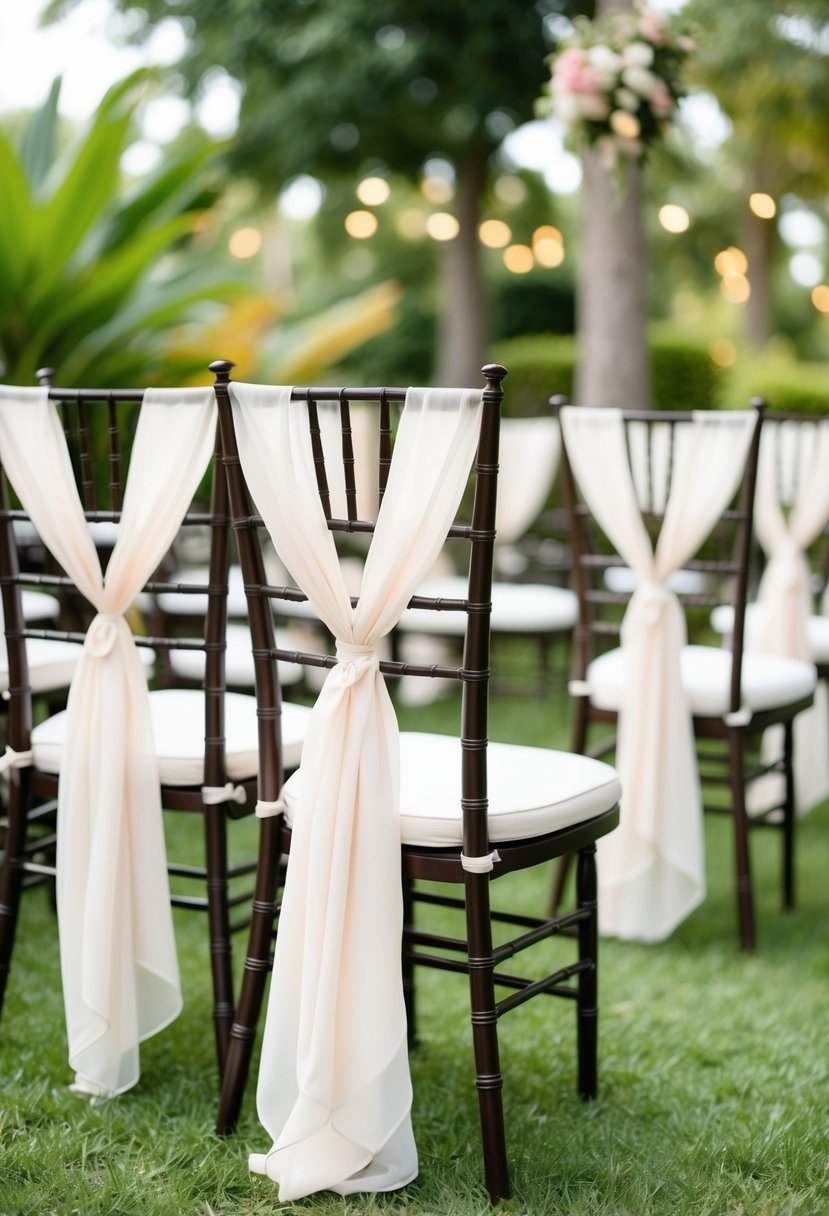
<point x="616" y="82"/>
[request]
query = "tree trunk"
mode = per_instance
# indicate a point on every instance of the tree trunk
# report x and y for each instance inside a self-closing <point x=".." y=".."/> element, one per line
<point x="612" y="291"/>
<point x="612" y="282"/>
<point x="758" y="239"/>
<point x="462" y="328"/>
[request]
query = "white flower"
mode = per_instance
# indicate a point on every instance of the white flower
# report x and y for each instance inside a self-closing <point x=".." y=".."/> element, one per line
<point x="638" y="55"/>
<point x="606" y="64"/>
<point x="640" y="80"/>
<point x="626" y="99"/>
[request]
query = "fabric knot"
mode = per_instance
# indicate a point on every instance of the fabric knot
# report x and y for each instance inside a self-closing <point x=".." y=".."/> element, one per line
<point x="266" y="810"/>
<point x="13" y="759"/>
<point x="652" y="597"/>
<point x="101" y="635"/>
<point x="353" y="661"/>
<point x="213" y="795"/>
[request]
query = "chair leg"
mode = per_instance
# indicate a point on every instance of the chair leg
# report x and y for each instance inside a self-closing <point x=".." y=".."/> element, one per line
<point x="742" y="859"/>
<point x="485" y="1036"/>
<point x="11" y="873"/>
<point x="587" y="1007"/>
<point x="218" y="916"/>
<point x="407" y="965"/>
<point x="578" y="743"/>
<point x="254" y="978"/>
<point x="788" y="816"/>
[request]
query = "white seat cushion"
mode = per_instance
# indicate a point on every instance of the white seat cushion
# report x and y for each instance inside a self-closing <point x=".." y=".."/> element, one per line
<point x="768" y="680"/>
<point x="189" y="664"/>
<point x="722" y="619"/>
<point x="516" y="608"/>
<point x="532" y="790"/>
<point x="684" y="582"/>
<point x="178" y="727"/>
<point x="51" y="664"/>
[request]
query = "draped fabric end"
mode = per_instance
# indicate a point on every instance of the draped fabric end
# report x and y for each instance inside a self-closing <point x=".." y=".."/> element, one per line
<point x="118" y="959"/>
<point x="334" y="1091"/>
<point x="793" y="474"/>
<point x="651" y="869"/>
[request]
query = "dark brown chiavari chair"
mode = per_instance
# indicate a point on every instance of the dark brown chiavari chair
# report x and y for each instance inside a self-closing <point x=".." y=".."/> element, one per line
<point x="526" y="805"/>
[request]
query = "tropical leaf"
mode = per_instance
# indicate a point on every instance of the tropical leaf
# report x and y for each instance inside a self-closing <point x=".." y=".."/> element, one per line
<point x="39" y="140"/>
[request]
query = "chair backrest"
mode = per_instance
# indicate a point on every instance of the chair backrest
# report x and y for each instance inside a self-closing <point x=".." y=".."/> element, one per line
<point x="99" y="426"/>
<point x="476" y="532"/>
<point x="793" y="490"/>
<point x="714" y="573"/>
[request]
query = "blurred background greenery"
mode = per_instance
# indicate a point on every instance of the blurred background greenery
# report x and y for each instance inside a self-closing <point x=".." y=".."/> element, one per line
<point x="372" y="213"/>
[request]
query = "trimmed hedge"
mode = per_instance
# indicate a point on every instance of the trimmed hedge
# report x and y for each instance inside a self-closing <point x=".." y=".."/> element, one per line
<point x="541" y="365"/>
<point x="801" y="388"/>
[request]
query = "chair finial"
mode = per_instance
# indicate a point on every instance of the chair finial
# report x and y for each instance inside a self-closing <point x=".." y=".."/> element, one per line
<point x="221" y="369"/>
<point x="44" y="376"/>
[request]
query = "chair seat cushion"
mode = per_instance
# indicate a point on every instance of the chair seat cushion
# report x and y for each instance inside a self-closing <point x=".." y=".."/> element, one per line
<point x="51" y="664"/>
<point x="769" y="681"/>
<point x="516" y="608"/>
<point x="532" y="790"/>
<point x="178" y="727"/>
<point x="722" y="619"/>
<point x="189" y="664"/>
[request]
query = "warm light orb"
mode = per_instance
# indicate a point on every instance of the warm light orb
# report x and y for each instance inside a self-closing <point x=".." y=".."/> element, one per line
<point x="731" y="261"/>
<point x="820" y="297"/>
<point x="763" y="205"/>
<point x="245" y="242"/>
<point x="442" y="226"/>
<point x="736" y="288"/>
<point x="436" y="189"/>
<point x="360" y="224"/>
<point x="519" y="259"/>
<point x="548" y="253"/>
<point x="495" y="234"/>
<point x="373" y="191"/>
<point x="547" y="233"/>
<point x="722" y="352"/>
<point x="674" y="218"/>
<point x="510" y="190"/>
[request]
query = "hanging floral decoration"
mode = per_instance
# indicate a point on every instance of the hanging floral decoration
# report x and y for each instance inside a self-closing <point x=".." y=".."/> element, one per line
<point x="616" y="82"/>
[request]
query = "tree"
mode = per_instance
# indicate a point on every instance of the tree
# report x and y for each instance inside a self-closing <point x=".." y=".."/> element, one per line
<point x="333" y="87"/>
<point x="107" y="284"/>
<point x="765" y="61"/>
<point x="81" y="284"/>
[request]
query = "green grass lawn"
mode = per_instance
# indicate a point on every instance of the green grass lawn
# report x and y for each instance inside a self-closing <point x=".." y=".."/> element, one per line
<point x="714" y="1069"/>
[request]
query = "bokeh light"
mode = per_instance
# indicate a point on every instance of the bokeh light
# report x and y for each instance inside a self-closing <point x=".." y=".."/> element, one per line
<point x="731" y="261"/>
<point x="245" y="242"/>
<point x="763" y="205"/>
<point x="674" y="218"/>
<point x="519" y="259"/>
<point x="495" y="234"/>
<point x="735" y="287"/>
<point x="722" y="352"/>
<point x="373" y="191"/>
<point x="820" y="297"/>
<point x="360" y="224"/>
<point x="442" y="226"/>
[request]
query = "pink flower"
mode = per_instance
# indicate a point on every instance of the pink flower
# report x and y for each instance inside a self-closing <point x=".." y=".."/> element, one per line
<point x="573" y="74"/>
<point x="661" y="101"/>
<point x="651" y="27"/>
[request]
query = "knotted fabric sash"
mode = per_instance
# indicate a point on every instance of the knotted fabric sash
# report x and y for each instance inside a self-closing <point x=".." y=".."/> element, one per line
<point x="793" y="472"/>
<point x="334" y="1089"/>
<point x="651" y="869"/>
<point x="118" y="959"/>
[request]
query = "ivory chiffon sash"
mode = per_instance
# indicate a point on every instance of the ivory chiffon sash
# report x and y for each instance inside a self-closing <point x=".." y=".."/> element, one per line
<point x="118" y="958"/>
<point x="334" y="1090"/>
<point x="791" y="510"/>
<point x="651" y="869"/>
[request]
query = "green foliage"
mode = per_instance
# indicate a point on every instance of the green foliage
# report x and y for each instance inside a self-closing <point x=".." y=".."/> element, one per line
<point x="94" y="277"/>
<point x="532" y="303"/>
<point x="683" y="377"/>
<point x="542" y="365"/>
<point x="786" y="385"/>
